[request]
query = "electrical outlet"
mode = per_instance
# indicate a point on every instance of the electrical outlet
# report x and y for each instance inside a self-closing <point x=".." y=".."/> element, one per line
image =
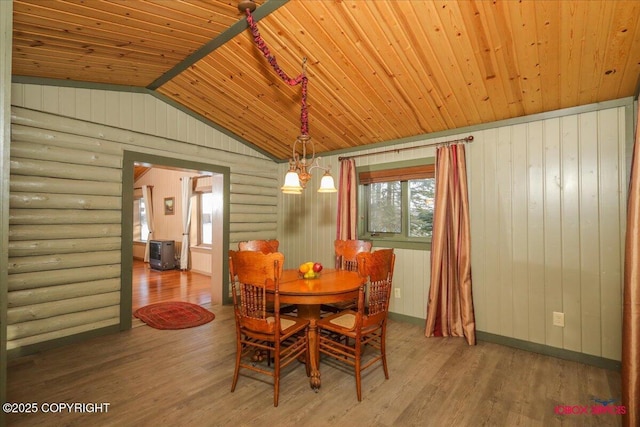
<point x="558" y="319"/>
<point x="397" y="293"/>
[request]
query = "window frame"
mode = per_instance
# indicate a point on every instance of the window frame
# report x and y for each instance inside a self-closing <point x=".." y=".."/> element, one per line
<point x="391" y="240"/>
<point x="199" y="204"/>
<point x="137" y="222"/>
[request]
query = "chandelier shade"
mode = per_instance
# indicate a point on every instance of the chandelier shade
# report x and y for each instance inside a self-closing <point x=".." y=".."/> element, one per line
<point x="326" y="184"/>
<point x="291" y="183"/>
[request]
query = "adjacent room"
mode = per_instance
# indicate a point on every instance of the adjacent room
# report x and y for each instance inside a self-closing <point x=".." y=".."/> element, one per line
<point x="404" y="213"/>
<point x="159" y="271"/>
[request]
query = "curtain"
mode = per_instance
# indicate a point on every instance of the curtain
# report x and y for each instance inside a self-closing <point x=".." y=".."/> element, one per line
<point x="148" y="206"/>
<point x="347" y="211"/>
<point x="187" y="191"/>
<point x="631" y="296"/>
<point x="450" y="305"/>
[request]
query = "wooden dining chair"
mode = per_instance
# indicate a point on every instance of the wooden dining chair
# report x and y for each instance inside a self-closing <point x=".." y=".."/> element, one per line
<point x="264" y="246"/>
<point x="344" y="336"/>
<point x="346" y="250"/>
<point x="345" y="256"/>
<point x="283" y="339"/>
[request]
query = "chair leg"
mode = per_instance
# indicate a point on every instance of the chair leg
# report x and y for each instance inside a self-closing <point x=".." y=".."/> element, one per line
<point x="358" y="370"/>
<point x="237" y="369"/>
<point x="276" y="378"/>
<point x="383" y="353"/>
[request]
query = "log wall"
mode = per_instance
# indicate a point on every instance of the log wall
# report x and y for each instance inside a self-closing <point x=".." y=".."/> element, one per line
<point x="66" y="207"/>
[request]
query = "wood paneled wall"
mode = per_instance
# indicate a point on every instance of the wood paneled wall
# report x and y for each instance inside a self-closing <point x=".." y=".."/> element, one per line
<point x="66" y="200"/>
<point x="548" y="200"/>
<point x="548" y="221"/>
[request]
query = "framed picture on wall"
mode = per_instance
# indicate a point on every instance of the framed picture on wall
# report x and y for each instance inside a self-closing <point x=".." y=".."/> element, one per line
<point x="169" y="205"/>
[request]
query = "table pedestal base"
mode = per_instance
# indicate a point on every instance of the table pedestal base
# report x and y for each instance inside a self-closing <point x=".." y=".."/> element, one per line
<point x="312" y="313"/>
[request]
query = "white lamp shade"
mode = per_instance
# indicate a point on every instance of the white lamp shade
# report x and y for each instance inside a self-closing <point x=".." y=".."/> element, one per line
<point x="291" y="183"/>
<point x="327" y="185"/>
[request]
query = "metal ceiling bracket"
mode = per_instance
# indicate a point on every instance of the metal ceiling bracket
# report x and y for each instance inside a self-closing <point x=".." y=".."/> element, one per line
<point x="243" y="5"/>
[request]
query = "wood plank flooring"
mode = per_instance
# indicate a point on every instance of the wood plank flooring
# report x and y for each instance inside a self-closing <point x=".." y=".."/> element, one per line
<point x="150" y="286"/>
<point x="153" y="377"/>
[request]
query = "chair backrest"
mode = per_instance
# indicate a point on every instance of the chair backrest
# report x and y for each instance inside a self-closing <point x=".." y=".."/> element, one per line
<point x="252" y="273"/>
<point x="264" y="246"/>
<point x="346" y="251"/>
<point x="378" y="268"/>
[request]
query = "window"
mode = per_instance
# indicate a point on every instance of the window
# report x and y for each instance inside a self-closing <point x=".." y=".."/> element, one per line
<point x="396" y="204"/>
<point x="140" y="224"/>
<point x="205" y="220"/>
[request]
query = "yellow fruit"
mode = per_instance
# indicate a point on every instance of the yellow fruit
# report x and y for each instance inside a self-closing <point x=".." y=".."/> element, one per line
<point x="304" y="268"/>
<point x="309" y="274"/>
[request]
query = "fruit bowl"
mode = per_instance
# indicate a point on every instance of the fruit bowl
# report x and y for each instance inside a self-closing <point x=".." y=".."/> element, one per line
<point x="309" y="270"/>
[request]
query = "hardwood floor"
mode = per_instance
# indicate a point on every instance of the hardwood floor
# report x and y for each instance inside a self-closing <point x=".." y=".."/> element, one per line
<point x="151" y="286"/>
<point x="155" y="377"/>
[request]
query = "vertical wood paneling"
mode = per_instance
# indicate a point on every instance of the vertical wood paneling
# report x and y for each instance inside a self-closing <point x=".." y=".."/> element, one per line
<point x="492" y="231"/>
<point x="150" y="116"/>
<point x="50" y="97"/>
<point x="504" y="246"/>
<point x="401" y="305"/>
<point x="589" y="234"/>
<point x="477" y="221"/>
<point x="529" y="251"/>
<point x="32" y="97"/>
<point x="611" y="257"/>
<point x="571" y="294"/>
<point x="535" y="231"/>
<point x="567" y="170"/>
<point x="112" y="109"/>
<point x="98" y="106"/>
<point x="519" y="232"/>
<point x="125" y="110"/>
<point x="68" y="107"/>
<point x="552" y="237"/>
<point x="82" y="104"/>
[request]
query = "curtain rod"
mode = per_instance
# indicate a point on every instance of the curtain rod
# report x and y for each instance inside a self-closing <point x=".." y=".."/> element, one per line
<point x="397" y="150"/>
<point x="198" y="177"/>
<point x="140" y="188"/>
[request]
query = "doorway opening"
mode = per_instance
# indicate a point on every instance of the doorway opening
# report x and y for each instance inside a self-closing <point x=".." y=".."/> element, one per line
<point x="212" y="259"/>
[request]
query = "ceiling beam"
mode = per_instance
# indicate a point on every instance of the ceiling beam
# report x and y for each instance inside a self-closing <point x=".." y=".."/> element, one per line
<point x="261" y="12"/>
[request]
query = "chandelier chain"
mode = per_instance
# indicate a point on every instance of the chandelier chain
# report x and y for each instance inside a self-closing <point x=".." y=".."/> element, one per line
<point x="300" y="79"/>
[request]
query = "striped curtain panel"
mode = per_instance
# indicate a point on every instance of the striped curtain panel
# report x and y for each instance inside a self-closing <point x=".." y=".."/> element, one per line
<point x="631" y="296"/>
<point x="450" y="306"/>
<point x="347" y="209"/>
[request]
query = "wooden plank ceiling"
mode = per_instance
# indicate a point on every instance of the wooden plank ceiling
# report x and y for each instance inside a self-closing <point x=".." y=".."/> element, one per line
<point x="378" y="70"/>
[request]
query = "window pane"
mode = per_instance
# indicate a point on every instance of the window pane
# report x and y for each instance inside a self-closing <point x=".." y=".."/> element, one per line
<point x="144" y="226"/>
<point x="421" y="198"/>
<point x="206" y="209"/>
<point x="136" y="220"/>
<point x="385" y="207"/>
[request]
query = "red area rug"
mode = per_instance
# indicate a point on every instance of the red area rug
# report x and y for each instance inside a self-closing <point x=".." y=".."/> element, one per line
<point x="174" y="315"/>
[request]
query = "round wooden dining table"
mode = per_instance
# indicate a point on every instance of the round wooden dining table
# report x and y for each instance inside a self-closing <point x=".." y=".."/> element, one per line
<point x="308" y="294"/>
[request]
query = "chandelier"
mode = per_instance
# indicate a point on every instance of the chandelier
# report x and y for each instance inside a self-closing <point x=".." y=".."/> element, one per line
<point x="300" y="165"/>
